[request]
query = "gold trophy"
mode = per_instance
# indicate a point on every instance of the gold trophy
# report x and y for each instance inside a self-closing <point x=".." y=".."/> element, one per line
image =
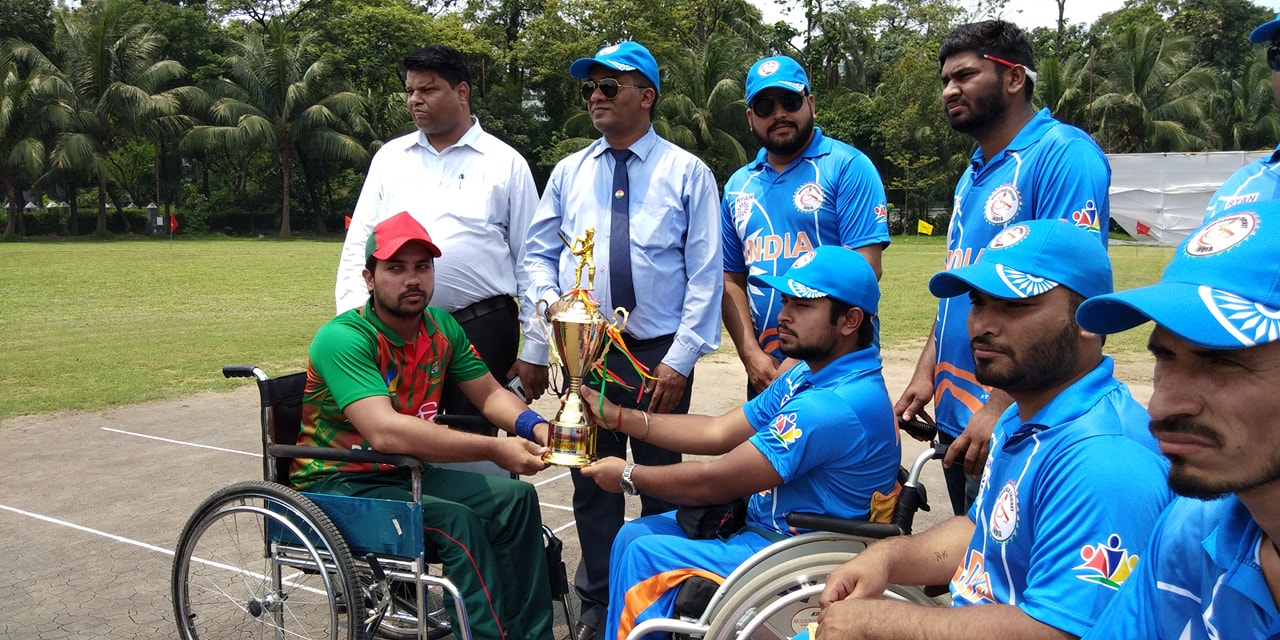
<point x="579" y="334"/>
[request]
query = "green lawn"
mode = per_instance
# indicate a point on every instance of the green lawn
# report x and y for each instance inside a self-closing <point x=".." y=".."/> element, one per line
<point x="87" y="325"/>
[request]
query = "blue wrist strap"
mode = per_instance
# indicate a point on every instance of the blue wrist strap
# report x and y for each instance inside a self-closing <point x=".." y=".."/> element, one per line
<point x="525" y="423"/>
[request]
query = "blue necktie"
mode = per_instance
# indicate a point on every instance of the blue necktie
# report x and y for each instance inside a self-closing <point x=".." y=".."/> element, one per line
<point x="624" y="293"/>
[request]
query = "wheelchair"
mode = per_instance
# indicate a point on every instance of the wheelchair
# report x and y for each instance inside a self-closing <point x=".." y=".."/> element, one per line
<point x="260" y="559"/>
<point x="773" y="595"/>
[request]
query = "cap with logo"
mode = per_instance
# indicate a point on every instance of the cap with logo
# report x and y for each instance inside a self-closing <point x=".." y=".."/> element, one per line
<point x="1266" y="32"/>
<point x="776" y="72"/>
<point x="624" y="56"/>
<point x="1220" y="291"/>
<point x="1030" y="258"/>
<point x="395" y="232"/>
<point x="829" y="271"/>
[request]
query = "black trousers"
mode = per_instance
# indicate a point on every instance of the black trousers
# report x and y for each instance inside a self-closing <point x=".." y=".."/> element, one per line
<point x="598" y="513"/>
<point x="495" y="333"/>
<point x="962" y="490"/>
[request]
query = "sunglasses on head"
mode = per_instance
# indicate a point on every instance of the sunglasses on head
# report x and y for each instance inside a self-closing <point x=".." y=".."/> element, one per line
<point x="608" y="88"/>
<point x="791" y="103"/>
<point x="1273" y="57"/>
<point x="1013" y="65"/>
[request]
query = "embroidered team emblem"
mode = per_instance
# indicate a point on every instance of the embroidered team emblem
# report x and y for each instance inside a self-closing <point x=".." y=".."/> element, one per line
<point x="1004" y="517"/>
<point x="1106" y="564"/>
<point x="1009" y="237"/>
<point x="882" y="213"/>
<point x="1246" y="321"/>
<point x="809" y="197"/>
<point x="742" y="206"/>
<point x="785" y="430"/>
<point x="1002" y="204"/>
<point x="1222" y="234"/>
<point x="804" y="260"/>
<point x="1024" y="284"/>
<point x="1087" y="217"/>
<point x="800" y="291"/>
<point x="767" y="69"/>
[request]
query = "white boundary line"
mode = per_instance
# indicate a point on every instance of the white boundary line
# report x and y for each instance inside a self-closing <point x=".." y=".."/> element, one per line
<point x="112" y="536"/>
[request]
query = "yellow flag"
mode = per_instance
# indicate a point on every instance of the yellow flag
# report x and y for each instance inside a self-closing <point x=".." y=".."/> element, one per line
<point x="924" y="227"/>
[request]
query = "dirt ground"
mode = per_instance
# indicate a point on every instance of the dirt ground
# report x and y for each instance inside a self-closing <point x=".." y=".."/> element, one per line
<point x="93" y="503"/>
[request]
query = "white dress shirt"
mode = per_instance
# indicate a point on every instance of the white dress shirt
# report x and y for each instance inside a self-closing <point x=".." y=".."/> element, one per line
<point x="476" y="198"/>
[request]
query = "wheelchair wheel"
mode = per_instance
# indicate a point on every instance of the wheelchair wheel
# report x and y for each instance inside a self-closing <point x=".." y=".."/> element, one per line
<point x="258" y="559"/>
<point x="777" y="583"/>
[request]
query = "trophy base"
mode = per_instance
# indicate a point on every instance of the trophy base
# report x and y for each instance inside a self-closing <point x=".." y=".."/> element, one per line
<point x="561" y="459"/>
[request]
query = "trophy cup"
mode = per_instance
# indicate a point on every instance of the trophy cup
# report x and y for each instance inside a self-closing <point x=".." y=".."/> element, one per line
<point x="579" y="334"/>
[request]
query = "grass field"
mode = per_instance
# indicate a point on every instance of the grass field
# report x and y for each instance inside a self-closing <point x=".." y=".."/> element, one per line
<point x="88" y="325"/>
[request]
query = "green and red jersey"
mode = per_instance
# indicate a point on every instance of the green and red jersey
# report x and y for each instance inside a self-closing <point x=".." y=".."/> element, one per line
<point x="356" y="356"/>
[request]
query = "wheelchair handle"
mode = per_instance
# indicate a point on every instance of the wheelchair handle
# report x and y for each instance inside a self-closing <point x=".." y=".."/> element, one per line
<point x="243" y="371"/>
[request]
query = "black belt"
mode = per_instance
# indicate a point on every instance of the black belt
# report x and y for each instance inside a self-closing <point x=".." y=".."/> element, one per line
<point x="482" y="308"/>
<point x="635" y="343"/>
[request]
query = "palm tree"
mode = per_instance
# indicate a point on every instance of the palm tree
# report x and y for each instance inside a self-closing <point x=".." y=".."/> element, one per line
<point x="29" y="112"/>
<point x="274" y="94"/>
<point x="112" y="64"/>
<point x="1243" y="114"/>
<point x="1151" y="98"/>
<point x="704" y="106"/>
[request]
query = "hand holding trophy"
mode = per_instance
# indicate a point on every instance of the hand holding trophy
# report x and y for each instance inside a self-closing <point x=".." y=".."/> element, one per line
<point x="579" y="334"/>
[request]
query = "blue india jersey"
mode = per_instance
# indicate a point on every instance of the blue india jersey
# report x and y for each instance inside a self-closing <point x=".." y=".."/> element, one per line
<point x="1066" y="505"/>
<point x="830" y="435"/>
<point x="1049" y="170"/>
<point x="1255" y="181"/>
<point x="831" y="194"/>
<point x="1201" y="580"/>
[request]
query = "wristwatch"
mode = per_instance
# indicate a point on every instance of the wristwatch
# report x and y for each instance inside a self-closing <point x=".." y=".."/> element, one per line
<point x="628" y="487"/>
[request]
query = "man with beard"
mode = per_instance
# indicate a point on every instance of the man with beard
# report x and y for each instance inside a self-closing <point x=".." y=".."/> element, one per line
<point x="374" y="381"/>
<point x="1027" y="166"/>
<point x="652" y="206"/>
<point x="1072" y="488"/>
<point x="803" y="190"/>
<point x="820" y="439"/>
<point x="1213" y="567"/>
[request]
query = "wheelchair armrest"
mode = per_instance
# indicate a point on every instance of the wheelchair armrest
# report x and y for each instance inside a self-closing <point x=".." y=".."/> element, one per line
<point x="343" y="455"/>
<point x="861" y="528"/>
<point x="462" y="420"/>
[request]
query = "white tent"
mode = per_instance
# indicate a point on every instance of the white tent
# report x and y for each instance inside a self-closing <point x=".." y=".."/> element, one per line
<point x="1161" y="197"/>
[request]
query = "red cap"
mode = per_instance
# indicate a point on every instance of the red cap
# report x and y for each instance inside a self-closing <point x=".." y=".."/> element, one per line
<point x="393" y="233"/>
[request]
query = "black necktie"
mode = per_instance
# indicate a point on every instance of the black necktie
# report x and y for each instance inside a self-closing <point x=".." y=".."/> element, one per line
<point x="624" y="293"/>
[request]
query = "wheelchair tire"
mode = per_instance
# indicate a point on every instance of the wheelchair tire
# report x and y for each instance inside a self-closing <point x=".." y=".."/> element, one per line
<point x="739" y="607"/>
<point x="240" y="569"/>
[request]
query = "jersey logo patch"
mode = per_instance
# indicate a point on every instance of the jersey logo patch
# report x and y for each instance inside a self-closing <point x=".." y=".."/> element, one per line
<point x="1004" y="516"/>
<point x="1108" y="564"/>
<point x="1009" y="237"/>
<point x="785" y="430"/>
<point x="1088" y="217"/>
<point x="428" y="410"/>
<point x="1222" y="234"/>
<point x="809" y="197"/>
<point x="882" y="213"/>
<point x="1002" y="204"/>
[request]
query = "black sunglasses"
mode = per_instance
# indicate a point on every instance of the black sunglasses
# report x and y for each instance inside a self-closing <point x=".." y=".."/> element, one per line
<point x="1273" y="57"/>
<point x="763" y="107"/>
<point x="608" y="88"/>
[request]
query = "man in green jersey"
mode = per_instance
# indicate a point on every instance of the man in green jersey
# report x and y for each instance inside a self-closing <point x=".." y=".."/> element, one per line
<point x="374" y="382"/>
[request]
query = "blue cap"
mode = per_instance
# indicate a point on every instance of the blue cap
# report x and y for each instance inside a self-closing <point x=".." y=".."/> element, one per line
<point x="1030" y="258"/>
<point x="778" y="71"/>
<point x="1220" y="291"/>
<point x="1266" y="32"/>
<point x="624" y="56"/>
<point x="829" y="271"/>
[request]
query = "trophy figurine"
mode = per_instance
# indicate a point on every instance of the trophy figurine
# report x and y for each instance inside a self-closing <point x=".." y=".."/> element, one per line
<point x="579" y="334"/>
